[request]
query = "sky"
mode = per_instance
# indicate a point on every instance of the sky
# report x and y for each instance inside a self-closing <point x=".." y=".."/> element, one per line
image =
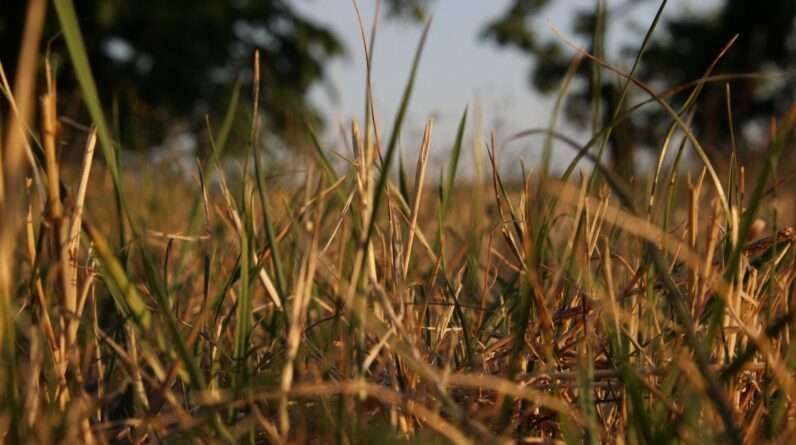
<point x="458" y="69"/>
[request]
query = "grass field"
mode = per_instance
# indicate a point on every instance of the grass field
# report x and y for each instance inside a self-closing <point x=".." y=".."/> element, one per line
<point x="369" y="303"/>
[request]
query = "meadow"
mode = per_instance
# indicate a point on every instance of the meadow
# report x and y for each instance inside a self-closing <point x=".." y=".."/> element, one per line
<point x="377" y="300"/>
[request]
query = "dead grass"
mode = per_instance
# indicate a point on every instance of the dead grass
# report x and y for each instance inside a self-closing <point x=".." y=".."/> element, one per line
<point x="347" y="306"/>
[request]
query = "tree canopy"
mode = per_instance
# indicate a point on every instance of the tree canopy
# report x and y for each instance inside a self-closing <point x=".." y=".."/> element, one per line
<point x="681" y="51"/>
<point x="179" y="58"/>
<point x="766" y="44"/>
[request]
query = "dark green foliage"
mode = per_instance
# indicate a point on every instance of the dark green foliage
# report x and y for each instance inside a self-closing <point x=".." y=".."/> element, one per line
<point x="411" y="9"/>
<point x="180" y="58"/>
<point x="765" y="42"/>
<point x="677" y="56"/>
<point x="516" y="29"/>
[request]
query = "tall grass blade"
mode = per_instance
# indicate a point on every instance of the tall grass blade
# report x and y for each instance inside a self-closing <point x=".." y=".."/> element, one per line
<point x="381" y="186"/>
<point x="132" y="305"/>
<point x="77" y="51"/>
<point x="453" y="164"/>
<point x="243" y="313"/>
<point x="756" y="198"/>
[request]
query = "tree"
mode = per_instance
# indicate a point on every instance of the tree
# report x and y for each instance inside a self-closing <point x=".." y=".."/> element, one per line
<point x="514" y="29"/>
<point x="679" y="54"/>
<point x="177" y="59"/>
<point x="765" y="44"/>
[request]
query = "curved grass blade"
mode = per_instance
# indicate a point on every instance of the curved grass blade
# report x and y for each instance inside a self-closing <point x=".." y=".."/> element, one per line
<point x="132" y="306"/>
<point x="677" y="301"/>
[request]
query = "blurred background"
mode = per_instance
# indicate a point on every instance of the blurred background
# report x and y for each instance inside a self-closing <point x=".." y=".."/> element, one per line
<point x="167" y="68"/>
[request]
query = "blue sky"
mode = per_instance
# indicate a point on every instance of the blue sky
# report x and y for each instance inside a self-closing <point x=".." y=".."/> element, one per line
<point x="457" y="67"/>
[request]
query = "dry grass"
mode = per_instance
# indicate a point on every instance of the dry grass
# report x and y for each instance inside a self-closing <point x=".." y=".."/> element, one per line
<point x="345" y="306"/>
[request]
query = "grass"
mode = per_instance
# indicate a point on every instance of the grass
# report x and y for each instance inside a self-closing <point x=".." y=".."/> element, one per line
<point x="348" y="306"/>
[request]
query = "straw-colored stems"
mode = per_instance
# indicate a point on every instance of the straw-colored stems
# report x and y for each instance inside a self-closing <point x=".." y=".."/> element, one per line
<point x="609" y="285"/>
<point x="73" y="237"/>
<point x="707" y="268"/>
<point x="41" y="296"/>
<point x="298" y="315"/>
<point x="420" y="175"/>
<point x="695" y="190"/>
<point x="56" y="215"/>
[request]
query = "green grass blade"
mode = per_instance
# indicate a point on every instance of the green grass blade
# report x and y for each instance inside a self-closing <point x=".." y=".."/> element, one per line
<point x="244" y="303"/>
<point x="70" y="28"/>
<point x="220" y="141"/>
<point x="132" y="306"/>
<point x="77" y="51"/>
<point x="270" y="234"/>
<point x="453" y="165"/>
<point x="403" y="181"/>
<point x="322" y="159"/>
<point x="381" y="187"/>
<point x="756" y="198"/>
